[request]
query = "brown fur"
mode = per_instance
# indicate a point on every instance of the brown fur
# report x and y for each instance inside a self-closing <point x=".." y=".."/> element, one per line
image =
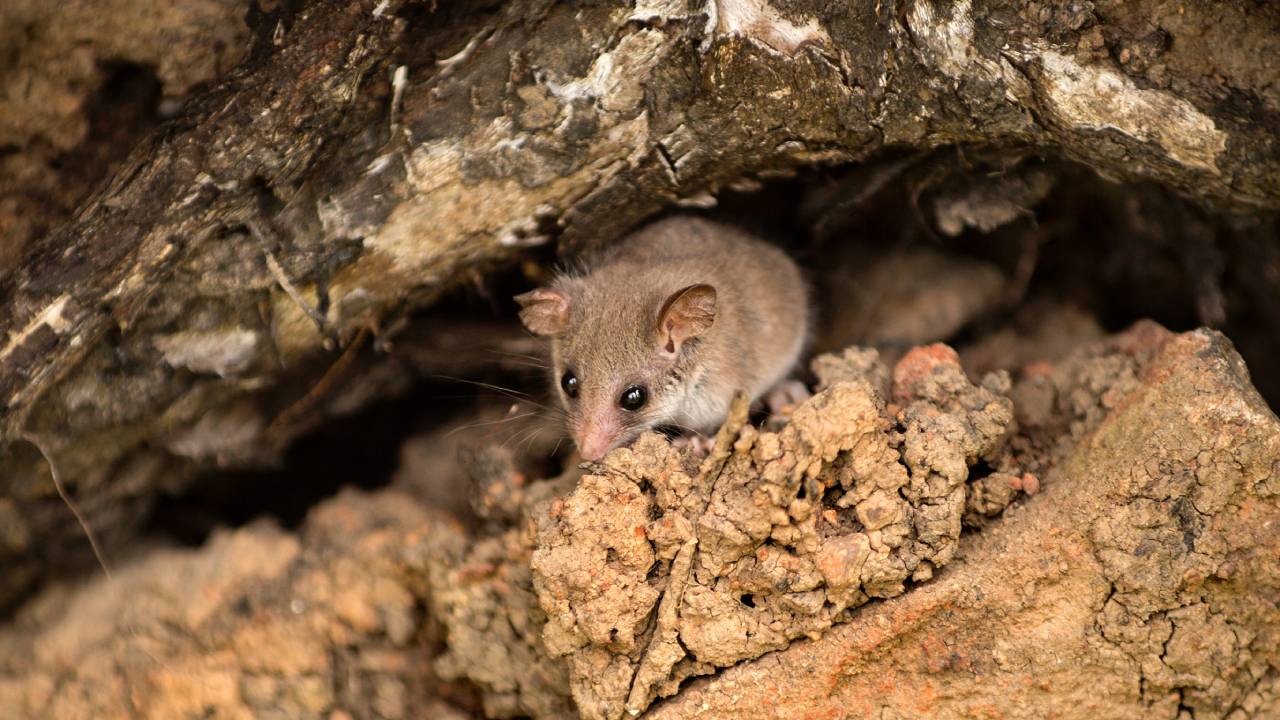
<point x="607" y="326"/>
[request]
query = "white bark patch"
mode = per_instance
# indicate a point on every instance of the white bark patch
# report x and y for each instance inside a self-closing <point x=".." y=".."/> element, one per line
<point x="219" y="435"/>
<point x="616" y="78"/>
<point x="380" y="163"/>
<point x="760" y="22"/>
<point x="1092" y="97"/>
<point x="51" y="316"/>
<point x="447" y="217"/>
<point x="703" y="201"/>
<point x="659" y="10"/>
<point x="223" y="352"/>
<point x="522" y="233"/>
<point x="1098" y="98"/>
<point x="456" y="60"/>
<point x="948" y="42"/>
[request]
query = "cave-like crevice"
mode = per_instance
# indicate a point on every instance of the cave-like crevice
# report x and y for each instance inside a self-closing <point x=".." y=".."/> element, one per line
<point x="1118" y="252"/>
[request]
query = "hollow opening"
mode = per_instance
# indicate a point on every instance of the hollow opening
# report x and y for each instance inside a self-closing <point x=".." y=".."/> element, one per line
<point x="1009" y="259"/>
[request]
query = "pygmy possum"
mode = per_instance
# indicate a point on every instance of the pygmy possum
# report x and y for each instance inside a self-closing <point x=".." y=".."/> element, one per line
<point x="665" y="327"/>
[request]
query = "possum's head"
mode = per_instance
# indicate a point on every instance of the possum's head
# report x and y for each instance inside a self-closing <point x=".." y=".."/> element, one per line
<point x="622" y="362"/>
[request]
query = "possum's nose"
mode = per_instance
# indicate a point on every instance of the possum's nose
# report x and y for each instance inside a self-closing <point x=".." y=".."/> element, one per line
<point x="595" y="439"/>
<point x="593" y="447"/>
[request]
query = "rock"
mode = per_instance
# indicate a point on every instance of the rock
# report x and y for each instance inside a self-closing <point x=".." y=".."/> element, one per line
<point x="1139" y="582"/>
<point x="1040" y="332"/>
<point x="849" y="364"/>
<point x="258" y="623"/>
<point x="483" y="598"/>
<point x="765" y="544"/>
<point x="908" y="298"/>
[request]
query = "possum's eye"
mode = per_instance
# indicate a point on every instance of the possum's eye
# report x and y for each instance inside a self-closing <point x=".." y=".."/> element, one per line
<point x="633" y="398"/>
<point x="569" y="383"/>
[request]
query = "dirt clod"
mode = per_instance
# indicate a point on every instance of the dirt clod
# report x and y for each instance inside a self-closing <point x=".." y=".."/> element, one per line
<point x="776" y="542"/>
<point x="1139" y="582"/>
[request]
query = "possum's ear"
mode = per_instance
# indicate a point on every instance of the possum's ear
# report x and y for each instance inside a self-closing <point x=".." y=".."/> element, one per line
<point x="544" y="311"/>
<point x="688" y="313"/>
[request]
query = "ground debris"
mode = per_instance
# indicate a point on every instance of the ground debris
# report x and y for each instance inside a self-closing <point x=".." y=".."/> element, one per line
<point x="257" y="623"/>
<point x="483" y="597"/>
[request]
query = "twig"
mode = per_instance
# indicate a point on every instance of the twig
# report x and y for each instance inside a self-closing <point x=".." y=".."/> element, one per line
<point x="326" y="382"/>
<point x="399" y="79"/>
<point x="1024" y="268"/>
<point x="709" y="471"/>
<point x="71" y="505"/>
<point x="278" y="272"/>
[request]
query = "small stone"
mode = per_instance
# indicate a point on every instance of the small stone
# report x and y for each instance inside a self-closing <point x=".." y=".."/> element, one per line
<point x="841" y="558"/>
<point x="389" y="698"/>
<point x="878" y="511"/>
<point x="917" y="365"/>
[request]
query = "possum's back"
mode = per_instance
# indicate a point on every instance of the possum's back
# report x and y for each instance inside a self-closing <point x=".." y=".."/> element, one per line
<point x="762" y="320"/>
